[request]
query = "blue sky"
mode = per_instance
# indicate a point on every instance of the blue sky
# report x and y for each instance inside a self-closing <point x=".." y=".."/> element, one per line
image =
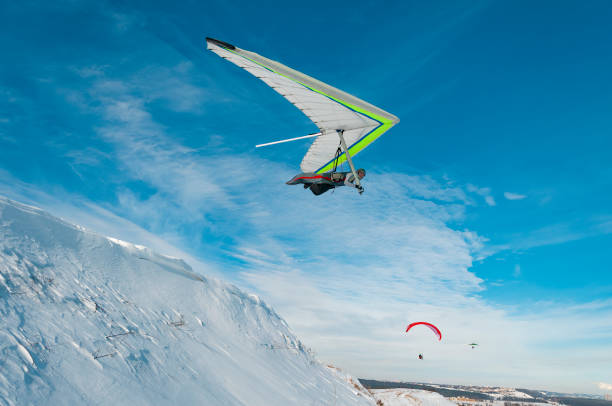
<point x="487" y="209"/>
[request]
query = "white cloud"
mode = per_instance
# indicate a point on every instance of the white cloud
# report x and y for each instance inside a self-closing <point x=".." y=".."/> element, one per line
<point x="484" y="192"/>
<point x="91" y="71"/>
<point x="553" y="234"/>
<point x="513" y="196"/>
<point x="359" y="324"/>
<point x="171" y="85"/>
<point x="604" y="386"/>
<point x="88" y="156"/>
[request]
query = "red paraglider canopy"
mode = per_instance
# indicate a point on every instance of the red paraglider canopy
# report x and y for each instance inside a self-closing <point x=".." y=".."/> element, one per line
<point x="431" y="326"/>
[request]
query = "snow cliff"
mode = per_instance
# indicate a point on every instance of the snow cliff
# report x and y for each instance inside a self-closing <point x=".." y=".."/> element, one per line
<point x="86" y="319"/>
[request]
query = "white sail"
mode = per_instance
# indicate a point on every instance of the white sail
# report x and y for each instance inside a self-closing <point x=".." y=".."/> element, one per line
<point x="329" y="108"/>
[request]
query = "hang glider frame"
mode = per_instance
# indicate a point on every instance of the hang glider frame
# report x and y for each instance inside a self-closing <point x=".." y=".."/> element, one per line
<point x="348" y="156"/>
<point x="342" y="144"/>
<point x="289" y="140"/>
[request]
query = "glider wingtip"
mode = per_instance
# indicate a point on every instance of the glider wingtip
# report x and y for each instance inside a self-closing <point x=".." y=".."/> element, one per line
<point x="220" y="43"/>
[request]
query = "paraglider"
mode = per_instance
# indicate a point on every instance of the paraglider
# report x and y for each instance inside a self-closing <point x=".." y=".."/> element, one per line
<point x="347" y="124"/>
<point x="420" y="356"/>
<point x="473" y="345"/>
<point x="429" y="325"/>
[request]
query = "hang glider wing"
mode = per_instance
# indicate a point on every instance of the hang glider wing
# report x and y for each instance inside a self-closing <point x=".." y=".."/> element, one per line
<point x="329" y="108"/>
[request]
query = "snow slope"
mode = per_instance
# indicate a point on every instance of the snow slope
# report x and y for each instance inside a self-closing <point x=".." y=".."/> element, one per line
<point x="410" y="397"/>
<point x="86" y="319"/>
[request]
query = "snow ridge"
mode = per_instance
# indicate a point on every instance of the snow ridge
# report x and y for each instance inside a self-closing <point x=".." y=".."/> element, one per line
<point x="86" y="319"/>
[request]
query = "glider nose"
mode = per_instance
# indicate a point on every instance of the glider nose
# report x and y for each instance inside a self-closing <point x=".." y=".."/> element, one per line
<point x="222" y="44"/>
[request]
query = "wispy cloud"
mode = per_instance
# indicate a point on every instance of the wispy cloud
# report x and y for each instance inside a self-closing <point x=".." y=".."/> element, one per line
<point x="485" y="192"/>
<point x="514" y="196"/>
<point x="89" y="156"/>
<point x="554" y="234"/>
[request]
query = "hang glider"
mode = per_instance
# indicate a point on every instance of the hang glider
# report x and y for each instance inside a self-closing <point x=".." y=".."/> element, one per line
<point x="346" y="124"/>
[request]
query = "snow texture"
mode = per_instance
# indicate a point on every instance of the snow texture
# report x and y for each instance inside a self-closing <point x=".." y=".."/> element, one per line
<point x="90" y="320"/>
<point x="410" y="397"/>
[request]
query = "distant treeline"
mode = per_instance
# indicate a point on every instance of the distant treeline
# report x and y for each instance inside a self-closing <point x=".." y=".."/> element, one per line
<point x="449" y="393"/>
<point x="566" y="400"/>
<point x="581" y="401"/>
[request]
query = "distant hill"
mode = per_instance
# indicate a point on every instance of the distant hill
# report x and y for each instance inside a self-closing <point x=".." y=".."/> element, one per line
<point x="488" y="393"/>
<point x="554" y="396"/>
<point x="581" y="401"/>
<point x="373" y="384"/>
